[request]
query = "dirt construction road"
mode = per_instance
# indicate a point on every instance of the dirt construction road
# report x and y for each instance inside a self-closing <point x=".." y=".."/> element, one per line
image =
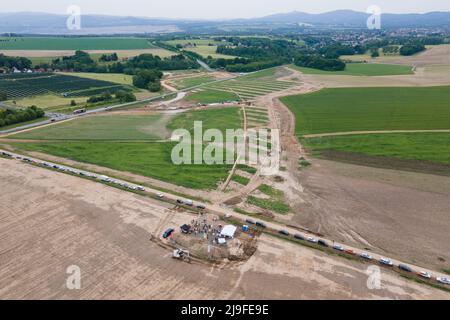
<point x="50" y="221"/>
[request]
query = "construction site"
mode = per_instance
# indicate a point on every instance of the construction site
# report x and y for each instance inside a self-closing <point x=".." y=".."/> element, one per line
<point x="209" y="239"/>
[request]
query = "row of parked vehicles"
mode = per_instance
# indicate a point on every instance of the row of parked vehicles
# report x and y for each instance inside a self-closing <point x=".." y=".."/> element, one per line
<point x="190" y="203"/>
<point x="77" y="172"/>
<point x="384" y="261"/>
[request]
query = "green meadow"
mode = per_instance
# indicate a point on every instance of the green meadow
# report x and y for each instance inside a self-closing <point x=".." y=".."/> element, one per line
<point x="363" y="109"/>
<point x="362" y="69"/>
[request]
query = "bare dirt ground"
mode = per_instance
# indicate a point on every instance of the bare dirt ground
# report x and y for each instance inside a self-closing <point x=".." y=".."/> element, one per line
<point x="50" y="221"/>
<point x="435" y="55"/>
<point x="397" y="213"/>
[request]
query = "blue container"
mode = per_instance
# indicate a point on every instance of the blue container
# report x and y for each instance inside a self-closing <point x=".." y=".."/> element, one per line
<point x="245" y="228"/>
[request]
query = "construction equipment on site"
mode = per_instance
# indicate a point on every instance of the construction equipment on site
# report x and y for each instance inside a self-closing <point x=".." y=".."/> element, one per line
<point x="181" y="254"/>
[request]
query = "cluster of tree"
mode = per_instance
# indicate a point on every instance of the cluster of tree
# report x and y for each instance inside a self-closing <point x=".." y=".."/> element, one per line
<point x="121" y="95"/>
<point x="105" y="96"/>
<point x="82" y="62"/>
<point x="374" y="53"/>
<point x="9" y="116"/>
<point x="254" y="66"/>
<point x="14" y="62"/>
<point x="319" y="62"/>
<point x="258" y="48"/>
<point x="254" y="53"/>
<point x="148" y="79"/>
<point x="149" y="61"/>
<point x="391" y="49"/>
<point x="412" y="48"/>
<point x="336" y="50"/>
<point x="124" y="96"/>
<point x="109" y="57"/>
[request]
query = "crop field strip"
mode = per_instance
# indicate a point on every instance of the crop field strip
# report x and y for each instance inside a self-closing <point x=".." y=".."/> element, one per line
<point x="82" y="43"/>
<point x="378" y="115"/>
<point x="249" y="88"/>
<point x="256" y="116"/>
<point x="19" y="86"/>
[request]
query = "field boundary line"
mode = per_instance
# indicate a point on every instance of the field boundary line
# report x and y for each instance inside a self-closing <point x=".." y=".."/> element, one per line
<point x="349" y="133"/>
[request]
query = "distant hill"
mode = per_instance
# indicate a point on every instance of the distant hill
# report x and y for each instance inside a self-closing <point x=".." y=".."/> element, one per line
<point x="349" y="18"/>
<point x="44" y="23"/>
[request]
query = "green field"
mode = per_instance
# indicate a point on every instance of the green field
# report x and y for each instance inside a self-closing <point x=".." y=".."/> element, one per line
<point x="212" y="96"/>
<point x="240" y="179"/>
<point x="199" y="42"/>
<point x="363" y="109"/>
<point x="218" y="118"/>
<point x="434" y="147"/>
<point x="118" y="78"/>
<point x="102" y="139"/>
<point x="192" y="81"/>
<point x="73" y="43"/>
<point x="151" y="159"/>
<point x="362" y="69"/>
<point x="109" y="127"/>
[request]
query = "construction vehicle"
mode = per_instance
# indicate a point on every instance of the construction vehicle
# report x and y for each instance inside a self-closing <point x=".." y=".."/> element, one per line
<point x="181" y="254"/>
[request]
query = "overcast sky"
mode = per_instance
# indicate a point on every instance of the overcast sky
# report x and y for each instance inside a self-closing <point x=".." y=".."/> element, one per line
<point x="214" y="9"/>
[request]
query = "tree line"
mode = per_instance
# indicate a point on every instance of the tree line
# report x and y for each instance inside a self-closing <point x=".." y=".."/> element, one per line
<point x="14" y="62"/>
<point x="13" y="116"/>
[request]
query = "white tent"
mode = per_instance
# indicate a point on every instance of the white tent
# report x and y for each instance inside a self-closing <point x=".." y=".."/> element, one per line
<point x="228" y="231"/>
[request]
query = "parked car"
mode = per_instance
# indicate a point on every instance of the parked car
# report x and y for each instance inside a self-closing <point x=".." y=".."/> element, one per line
<point x="160" y="195"/>
<point x="140" y="188"/>
<point x="189" y="203"/>
<point x="313" y="240"/>
<point x="283" y="232"/>
<point x="366" y="256"/>
<point x="201" y="207"/>
<point x="105" y="179"/>
<point x="179" y="201"/>
<point x="261" y="224"/>
<point x="424" y="274"/>
<point x="404" y="267"/>
<point x="338" y="247"/>
<point x="350" y="251"/>
<point x="323" y="243"/>
<point x="250" y="221"/>
<point x="168" y="233"/>
<point x="386" y="262"/>
<point x="443" y="280"/>
<point x="299" y="237"/>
